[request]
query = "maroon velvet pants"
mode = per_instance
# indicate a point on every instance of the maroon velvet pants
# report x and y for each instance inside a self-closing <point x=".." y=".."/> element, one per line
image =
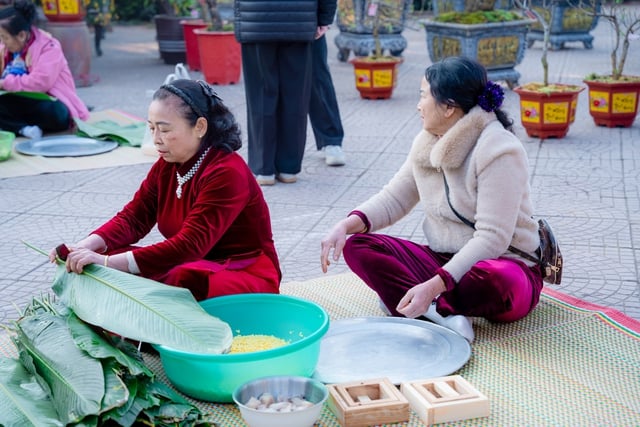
<point x="207" y="279"/>
<point x="500" y="290"/>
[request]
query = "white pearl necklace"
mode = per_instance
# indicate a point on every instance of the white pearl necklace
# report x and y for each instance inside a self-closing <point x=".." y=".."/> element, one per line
<point x="183" y="179"/>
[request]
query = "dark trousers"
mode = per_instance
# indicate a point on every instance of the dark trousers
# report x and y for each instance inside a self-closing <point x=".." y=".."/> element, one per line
<point x="18" y="111"/>
<point x="324" y="113"/>
<point x="277" y="79"/>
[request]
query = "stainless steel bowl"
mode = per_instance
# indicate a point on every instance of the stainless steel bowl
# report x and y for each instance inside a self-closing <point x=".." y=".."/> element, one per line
<point x="282" y="387"/>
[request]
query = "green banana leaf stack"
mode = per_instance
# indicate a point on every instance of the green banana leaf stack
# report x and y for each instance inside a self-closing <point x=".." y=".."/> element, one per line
<point x="75" y="367"/>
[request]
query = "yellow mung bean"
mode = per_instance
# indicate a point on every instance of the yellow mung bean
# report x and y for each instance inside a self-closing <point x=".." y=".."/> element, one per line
<point x="251" y="343"/>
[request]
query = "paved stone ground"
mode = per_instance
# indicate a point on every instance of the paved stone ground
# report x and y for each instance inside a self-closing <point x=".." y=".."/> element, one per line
<point x="587" y="184"/>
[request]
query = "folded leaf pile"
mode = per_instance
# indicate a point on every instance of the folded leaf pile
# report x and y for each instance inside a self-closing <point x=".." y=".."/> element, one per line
<point x="69" y="373"/>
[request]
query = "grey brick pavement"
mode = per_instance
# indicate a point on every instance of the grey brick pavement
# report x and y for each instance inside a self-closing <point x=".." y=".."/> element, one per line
<point x="587" y="184"/>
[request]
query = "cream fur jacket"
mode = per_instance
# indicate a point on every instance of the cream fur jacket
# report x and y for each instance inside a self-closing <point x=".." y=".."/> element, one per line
<point x="486" y="168"/>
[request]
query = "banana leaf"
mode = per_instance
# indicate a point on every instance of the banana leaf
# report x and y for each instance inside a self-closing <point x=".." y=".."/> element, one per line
<point x="75" y="380"/>
<point x="99" y="348"/>
<point x="23" y="402"/>
<point x="141" y="309"/>
<point x="126" y="414"/>
<point x="116" y="393"/>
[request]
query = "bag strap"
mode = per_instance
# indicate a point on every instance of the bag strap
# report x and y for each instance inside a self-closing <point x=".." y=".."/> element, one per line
<point x="513" y="249"/>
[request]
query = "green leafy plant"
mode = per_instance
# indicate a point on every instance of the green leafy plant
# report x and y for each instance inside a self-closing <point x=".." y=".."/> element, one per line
<point x="478" y="17"/>
<point x="211" y="15"/>
<point x="177" y="7"/>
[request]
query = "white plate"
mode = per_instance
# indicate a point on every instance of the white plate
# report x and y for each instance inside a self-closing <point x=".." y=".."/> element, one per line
<point x="400" y="349"/>
<point x="64" y="146"/>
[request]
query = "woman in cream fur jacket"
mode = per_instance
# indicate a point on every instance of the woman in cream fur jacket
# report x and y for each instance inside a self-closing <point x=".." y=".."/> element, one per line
<point x="465" y="270"/>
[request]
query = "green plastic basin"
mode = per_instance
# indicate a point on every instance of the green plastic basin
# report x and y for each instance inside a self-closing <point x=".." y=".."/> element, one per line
<point x="6" y="144"/>
<point x="214" y="377"/>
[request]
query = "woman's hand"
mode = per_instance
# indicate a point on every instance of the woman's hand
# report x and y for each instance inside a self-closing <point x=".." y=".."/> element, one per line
<point x="320" y="31"/>
<point x="61" y="251"/>
<point x="335" y="241"/>
<point x="78" y="258"/>
<point x="416" y="301"/>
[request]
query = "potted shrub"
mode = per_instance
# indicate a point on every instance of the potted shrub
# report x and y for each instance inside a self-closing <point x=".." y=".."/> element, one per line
<point x="356" y="28"/>
<point x="220" y="52"/>
<point x="613" y="97"/>
<point x="169" y="31"/>
<point x="547" y="110"/>
<point x="494" y="36"/>
<point x="375" y="74"/>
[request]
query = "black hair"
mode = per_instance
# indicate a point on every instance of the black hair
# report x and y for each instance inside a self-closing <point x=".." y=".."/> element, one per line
<point x="18" y="17"/>
<point x="459" y="82"/>
<point x="198" y="99"/>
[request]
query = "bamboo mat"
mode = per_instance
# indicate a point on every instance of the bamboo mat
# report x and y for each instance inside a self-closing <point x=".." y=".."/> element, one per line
<point x="569" y="363"/>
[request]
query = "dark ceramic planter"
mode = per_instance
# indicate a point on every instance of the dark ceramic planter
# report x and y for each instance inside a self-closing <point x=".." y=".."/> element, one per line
<point x="498" y="46"/>
<point x="170" y="36"/>
<point x="356" y="29"/>
<point x="569" y="24"/>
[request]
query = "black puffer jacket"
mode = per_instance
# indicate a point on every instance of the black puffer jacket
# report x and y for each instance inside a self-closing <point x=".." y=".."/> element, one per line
<point x="281" y="20"/>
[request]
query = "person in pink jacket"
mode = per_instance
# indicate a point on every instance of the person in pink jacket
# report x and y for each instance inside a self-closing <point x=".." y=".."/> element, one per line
<point x="31" y="60"/>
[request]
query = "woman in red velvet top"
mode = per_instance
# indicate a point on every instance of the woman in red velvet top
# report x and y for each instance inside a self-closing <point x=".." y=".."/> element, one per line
<point x="204" y="199"/>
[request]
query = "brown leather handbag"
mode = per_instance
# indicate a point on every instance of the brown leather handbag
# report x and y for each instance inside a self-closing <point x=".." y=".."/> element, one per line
<point x="550" y="256"/>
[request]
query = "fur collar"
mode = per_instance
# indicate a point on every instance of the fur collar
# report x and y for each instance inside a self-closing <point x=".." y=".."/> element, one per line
<point x="454" y="146"/>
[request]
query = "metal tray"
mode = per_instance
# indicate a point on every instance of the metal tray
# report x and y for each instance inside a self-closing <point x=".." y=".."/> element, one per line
<point x="400" y="349"/>
<point x="64" y="146"/>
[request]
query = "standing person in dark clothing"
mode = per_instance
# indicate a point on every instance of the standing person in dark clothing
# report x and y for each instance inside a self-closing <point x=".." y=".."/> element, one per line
<point x="324" y="112"/>
<point x="277" y="41"/>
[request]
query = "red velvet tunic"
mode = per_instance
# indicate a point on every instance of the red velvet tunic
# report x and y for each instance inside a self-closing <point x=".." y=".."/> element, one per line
<point x="218" y="234"/>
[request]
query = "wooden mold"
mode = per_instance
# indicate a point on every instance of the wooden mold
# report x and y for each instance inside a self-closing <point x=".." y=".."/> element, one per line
<point x="444" y="399"/>
<point x="367" y="403"/>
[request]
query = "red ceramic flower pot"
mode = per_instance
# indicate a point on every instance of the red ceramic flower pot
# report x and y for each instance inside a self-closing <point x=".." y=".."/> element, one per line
<point x="615" y="103"/>
<point x="63" y="11"/>
<point x="220" y="56"/>
<point x="191" y="42"/>
<point x="375" y="78"/>
<point x="548" y="114"/>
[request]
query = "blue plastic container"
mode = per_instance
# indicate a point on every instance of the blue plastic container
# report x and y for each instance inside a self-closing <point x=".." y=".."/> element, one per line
<point x="214" y="377"/>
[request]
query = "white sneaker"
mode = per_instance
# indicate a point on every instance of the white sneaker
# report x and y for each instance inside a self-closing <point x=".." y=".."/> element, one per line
<point x="457" y="323"/>
<point x="32" y="132"/>
<point x="287" y="178"/>
<point x="266" y="179"/>
<point x="334" y="156"/>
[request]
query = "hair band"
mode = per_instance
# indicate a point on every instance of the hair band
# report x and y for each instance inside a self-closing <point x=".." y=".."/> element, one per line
<point x="7" y="12"/>
<point x="186" y="98"/>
